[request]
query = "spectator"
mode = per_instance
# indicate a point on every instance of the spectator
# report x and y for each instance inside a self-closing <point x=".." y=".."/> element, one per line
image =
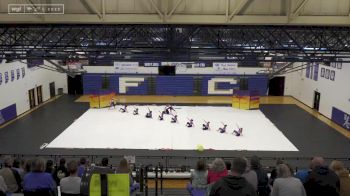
<point x="228" y="167"/>
<point x="16" y="166"/>
<point x="49" y="167"/>
<point x="302" y="175"/>
<point x="285" y="184"/>
<point x="27" y="167"/>
<point x="71" y="184"/>
<point x="234" y="184"/>
<point x="11" y="176"/>
<point x="216" y="171"/>
<point x="273" y="175"/>
<point x="61" y="171"/>
<point x="124" y="168"/>
<point x="263" y="180"/>
<point x="250" y="175"/>
<point x="3" y="187"/>
<point x="321" y="180"/>
<point x="82" y="167"/>
<point x="37" y="181"/>
<point x="104" y="162"/>
<point x="343" y="174"/>
<point x="199" y="176"/>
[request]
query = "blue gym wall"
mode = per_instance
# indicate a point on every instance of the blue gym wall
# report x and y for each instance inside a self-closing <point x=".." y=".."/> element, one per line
<point x="172" y="85"/>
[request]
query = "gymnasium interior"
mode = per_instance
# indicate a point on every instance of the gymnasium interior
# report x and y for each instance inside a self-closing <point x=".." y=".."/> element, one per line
<point x="79" y="77"/>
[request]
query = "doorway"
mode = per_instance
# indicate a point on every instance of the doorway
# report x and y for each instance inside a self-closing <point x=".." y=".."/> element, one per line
<point x="276" y="86"/>
<point x="52" y="90"/>
<point x="317" y="97"/>
<point x="31" y="94"/>
<point x="39" y="94"/>
<point x="75" y="85"/>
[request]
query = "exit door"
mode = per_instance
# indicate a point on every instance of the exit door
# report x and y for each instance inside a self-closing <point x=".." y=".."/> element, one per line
<point x="52" y="90"/>
<point x="317" y="97"/>
<point x="31" y="94"/>
<point x="39" y="94"/>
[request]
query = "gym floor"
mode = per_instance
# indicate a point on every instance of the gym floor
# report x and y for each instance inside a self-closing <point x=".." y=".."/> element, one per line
<point x="309" y="134"/>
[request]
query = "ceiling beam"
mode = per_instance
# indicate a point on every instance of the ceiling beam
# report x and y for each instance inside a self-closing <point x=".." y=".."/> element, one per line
<point x="237" y="9"/>
<point x="90" y="5"/>
<point x="178" y="2"/>
<point x="178" y="19"/>
<point x="300" y="7"/>
<point x="160" y="14"/>
<point x="103" y="5"/>
<point x="41" y="17"/>
<point x="227" y="9"/>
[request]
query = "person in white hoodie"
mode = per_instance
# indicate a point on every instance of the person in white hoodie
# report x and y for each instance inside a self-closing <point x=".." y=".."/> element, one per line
<point x="285" y="184"/>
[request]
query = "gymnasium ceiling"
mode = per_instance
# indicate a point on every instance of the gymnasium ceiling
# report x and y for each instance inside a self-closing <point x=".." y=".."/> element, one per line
<point x="223" y="12"/>
<point x="248" y="31"/>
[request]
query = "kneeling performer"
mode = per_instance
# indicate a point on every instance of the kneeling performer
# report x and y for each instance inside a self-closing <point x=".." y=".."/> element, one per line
<point x="149" y="114"/>
<point x="136" y="111"/>
<point x="222" y="129"/>
<point x="206" y="125"/>
<point x="174" y="119"/>
<point x="190" y="123"/>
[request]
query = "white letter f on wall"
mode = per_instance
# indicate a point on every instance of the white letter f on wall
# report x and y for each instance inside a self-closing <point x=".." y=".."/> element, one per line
<point x="126" y="82"/>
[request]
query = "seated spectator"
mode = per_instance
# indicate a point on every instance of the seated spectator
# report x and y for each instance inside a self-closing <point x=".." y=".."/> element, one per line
<point x="10" y="176"/>
<point x="124" y="168"/>
<point x="302" y="175"/>
<point x="235" y="184"/>
<point x="82" y="167"/>
<point x="321" y="180"/>
<point x="71" y="185"/>
<point x="37" y="180"/>
<point x="263" y="179"/>
<point x="250" y="175"/>
<point x="61" y="171"/>
<point x="285" y="184"/>
<point x="104" y="162"/>
<point x="273" y="175"/>
<point x="3" y="187"/>
<point x="49" y="167"/>
<point x="343" y="174"/>
<point x="228" y="167"/>
<point x="17" y="166"/>
<point x="199" y="176"/>
<point x="216" y="171"/>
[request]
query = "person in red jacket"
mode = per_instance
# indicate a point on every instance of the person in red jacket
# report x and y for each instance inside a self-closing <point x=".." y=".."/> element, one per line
<point x="217" y="170"/>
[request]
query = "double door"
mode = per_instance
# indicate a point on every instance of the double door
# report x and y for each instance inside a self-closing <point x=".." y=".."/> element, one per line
<point x="35" y="96"/>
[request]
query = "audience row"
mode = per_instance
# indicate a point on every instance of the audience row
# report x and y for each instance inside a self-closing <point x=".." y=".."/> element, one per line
<point x="248" y="178"/>
<point x="34" y="176"/>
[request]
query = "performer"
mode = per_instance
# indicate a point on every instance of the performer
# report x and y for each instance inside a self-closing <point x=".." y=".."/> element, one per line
<point x="174" y="119"/>
<point x="222" y="129"/>
<point x="149" y="114"/>
<point x="168" y="109"/>
<point x="123" y="109"/>
<point x="160" y="117"/>
<point x="206" y="125"/>
<point x="238" y="132"/>
<point x="136" y="111"/>
<point x="112" y="103"/>
<point x="190" y="123"/>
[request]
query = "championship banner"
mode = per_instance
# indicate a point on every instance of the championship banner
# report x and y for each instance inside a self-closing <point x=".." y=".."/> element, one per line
<point x="225" y="68"/>
<point x="126" y="67"/>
